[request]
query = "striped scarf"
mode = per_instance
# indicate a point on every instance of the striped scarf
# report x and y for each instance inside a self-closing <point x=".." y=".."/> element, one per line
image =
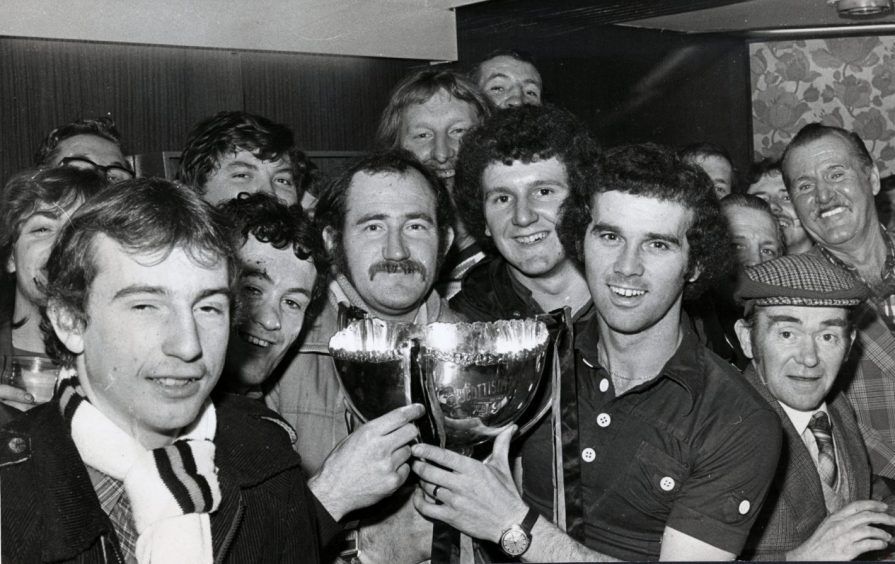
<point x="171" y="489"/>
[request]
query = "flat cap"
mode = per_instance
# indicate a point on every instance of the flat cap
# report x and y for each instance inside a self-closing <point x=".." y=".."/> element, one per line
<point x="801" y="280"/>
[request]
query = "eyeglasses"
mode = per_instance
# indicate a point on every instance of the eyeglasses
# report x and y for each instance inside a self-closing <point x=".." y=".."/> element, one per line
<point x="113" y="172"/>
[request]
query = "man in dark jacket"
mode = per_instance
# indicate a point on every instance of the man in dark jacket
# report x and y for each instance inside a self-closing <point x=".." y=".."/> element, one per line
<point x="515" y="172"/>
<point x="132" y="461"/>
<point x="797" y="331"/>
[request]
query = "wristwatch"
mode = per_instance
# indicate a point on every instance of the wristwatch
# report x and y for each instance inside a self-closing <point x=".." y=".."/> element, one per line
<point x="516" y="540"/>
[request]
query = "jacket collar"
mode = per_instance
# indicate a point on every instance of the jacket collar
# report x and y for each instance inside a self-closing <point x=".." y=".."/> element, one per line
<point x="796" y="472"/>
<point x="70" y="505"/>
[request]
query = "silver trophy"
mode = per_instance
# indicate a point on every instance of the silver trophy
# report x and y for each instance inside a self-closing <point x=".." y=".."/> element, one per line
<point x="473" y="378"/>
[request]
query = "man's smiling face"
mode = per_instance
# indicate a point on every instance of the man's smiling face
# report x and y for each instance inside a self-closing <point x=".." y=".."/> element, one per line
<point x="275" y="287"/>
<point x="636" y="258"/>
<point x="832" y="191"/>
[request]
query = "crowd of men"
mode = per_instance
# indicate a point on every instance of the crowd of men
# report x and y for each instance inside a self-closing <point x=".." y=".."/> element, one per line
<point x="721" y="381"/>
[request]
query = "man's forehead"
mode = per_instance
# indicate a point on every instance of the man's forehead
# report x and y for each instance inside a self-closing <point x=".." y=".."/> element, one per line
<point x="552" y="169"/>
<point x="828" y="149"/>
<point x="768" y="183"/>
<point x="774" y="314"/>
<point x="500" y="63"/>
<point x="250" y="156"/>
<point x="99" y="149"/>
<point x="176" y="264"/>
<point x="436" y="106"/>
<point x="364" y="186"/>
<point x="265" y="256"/>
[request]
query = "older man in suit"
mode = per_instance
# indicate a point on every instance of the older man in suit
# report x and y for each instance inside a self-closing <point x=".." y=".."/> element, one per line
<point x="797" y="331"/>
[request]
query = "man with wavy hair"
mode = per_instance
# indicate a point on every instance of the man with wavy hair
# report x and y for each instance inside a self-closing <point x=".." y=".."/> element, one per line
<point x="233" y="152"/>
<point x="665" y="452"/>
<point x="132" y="460"/>
<point x="428" y="114"/>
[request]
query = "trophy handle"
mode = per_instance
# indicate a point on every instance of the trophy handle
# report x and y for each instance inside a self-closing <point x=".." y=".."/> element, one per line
<point x="422" y="391"/>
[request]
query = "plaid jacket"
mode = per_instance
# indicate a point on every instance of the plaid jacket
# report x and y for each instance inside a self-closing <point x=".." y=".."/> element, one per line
<point x="795" y="505"/>
<point x="868" y="380"/>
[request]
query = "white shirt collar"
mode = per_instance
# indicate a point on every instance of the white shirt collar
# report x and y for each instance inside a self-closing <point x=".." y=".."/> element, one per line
<point x="801" y="419"/>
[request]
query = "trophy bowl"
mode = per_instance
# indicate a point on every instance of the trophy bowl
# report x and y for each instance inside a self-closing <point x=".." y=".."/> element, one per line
<point x="473" y="378"/>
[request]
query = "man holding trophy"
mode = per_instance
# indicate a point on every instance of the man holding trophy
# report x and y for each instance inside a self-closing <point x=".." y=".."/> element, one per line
<point x="666" y="452"/>
<point x="387" y="226"/>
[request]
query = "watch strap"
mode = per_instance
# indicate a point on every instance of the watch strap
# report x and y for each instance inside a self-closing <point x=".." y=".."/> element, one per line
<point x="528" y="523"/>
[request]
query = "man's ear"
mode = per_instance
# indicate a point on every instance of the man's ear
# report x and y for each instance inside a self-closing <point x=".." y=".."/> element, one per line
<point x="851" y="341"/>
<point x="697" y="270"/>
<point x="487" y="231"/>
<point x="744" y="334"/>
<point x="874" y="180"/>
<point x="448" y="240"/>
<point x="11" y="263"/>
<point x="69" y="329"/>
<point x="329" y="239"/>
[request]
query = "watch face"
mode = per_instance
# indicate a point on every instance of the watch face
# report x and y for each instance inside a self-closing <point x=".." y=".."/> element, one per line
<point x="515" y="541"/>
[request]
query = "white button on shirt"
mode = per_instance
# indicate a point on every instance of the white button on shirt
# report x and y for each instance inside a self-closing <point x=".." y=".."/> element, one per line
<point x="604" y="385"/>
<point x="588" y="454"/>
<point x="666" y="483"/>
<point x="604" y="419"/>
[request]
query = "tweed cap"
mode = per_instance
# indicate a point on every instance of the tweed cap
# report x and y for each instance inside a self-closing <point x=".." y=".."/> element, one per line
<point x="802" y="280"/>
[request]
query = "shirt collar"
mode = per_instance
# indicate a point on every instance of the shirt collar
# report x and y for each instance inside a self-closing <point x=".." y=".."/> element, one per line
<point x="888" y="270"/>
<point x="801" y="419"/>
<point x="686" y="367"/>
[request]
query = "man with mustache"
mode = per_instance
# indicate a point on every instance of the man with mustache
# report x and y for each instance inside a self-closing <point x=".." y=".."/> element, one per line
<point x="428" y="114"/>
<point x="832" y="181"/>
<point x="387" y="225"/>
<point x="766" y="182"/>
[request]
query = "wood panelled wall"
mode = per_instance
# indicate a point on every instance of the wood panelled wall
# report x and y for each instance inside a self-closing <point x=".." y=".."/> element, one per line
<point x="157" y="93"/>
<point x="630" y="85"/>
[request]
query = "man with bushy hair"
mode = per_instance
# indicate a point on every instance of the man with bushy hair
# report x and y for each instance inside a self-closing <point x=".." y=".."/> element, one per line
<point x="666" y="452"/>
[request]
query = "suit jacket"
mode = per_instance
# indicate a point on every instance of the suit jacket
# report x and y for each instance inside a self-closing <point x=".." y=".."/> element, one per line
<point x="795" y="504"/>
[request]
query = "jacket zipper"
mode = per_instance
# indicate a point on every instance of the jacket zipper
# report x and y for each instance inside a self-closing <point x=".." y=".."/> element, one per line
<point x="231" y="533"/>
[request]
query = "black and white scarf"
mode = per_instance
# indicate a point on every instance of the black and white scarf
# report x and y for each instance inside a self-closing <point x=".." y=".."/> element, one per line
<point x="171" y="489"/>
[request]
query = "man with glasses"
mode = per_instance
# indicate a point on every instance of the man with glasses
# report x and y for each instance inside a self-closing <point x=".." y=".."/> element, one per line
<point x="86" y="144"/>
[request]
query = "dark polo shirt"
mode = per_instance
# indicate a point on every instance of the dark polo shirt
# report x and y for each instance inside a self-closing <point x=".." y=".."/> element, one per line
<point x="694" y="449"/>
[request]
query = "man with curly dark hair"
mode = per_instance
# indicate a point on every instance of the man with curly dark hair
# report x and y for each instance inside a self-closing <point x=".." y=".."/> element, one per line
<point x="667" y="452"/>
<point x="282" y="266"/>
<point x="233" y="152"/>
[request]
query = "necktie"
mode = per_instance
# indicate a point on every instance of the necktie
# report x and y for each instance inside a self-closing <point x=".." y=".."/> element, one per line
<point x="826" y="458"/>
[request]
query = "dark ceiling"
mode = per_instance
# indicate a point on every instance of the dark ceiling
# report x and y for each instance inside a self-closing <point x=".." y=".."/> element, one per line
<point x="561" y="16"/>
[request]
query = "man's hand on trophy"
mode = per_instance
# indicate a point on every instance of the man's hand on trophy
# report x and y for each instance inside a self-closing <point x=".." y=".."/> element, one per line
<point x="369" y="464"/>
<point x="477" y="498"/>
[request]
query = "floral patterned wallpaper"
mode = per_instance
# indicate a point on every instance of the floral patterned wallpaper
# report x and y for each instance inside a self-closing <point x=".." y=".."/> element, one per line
<point x="848" y="82"/>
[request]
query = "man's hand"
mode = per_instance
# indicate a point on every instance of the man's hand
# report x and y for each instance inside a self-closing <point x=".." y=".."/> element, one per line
<point x="369" y="464"/>
<point x="478" y="498"/>
<point x="16" y="397"/>
<point x="848" y="533"/>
